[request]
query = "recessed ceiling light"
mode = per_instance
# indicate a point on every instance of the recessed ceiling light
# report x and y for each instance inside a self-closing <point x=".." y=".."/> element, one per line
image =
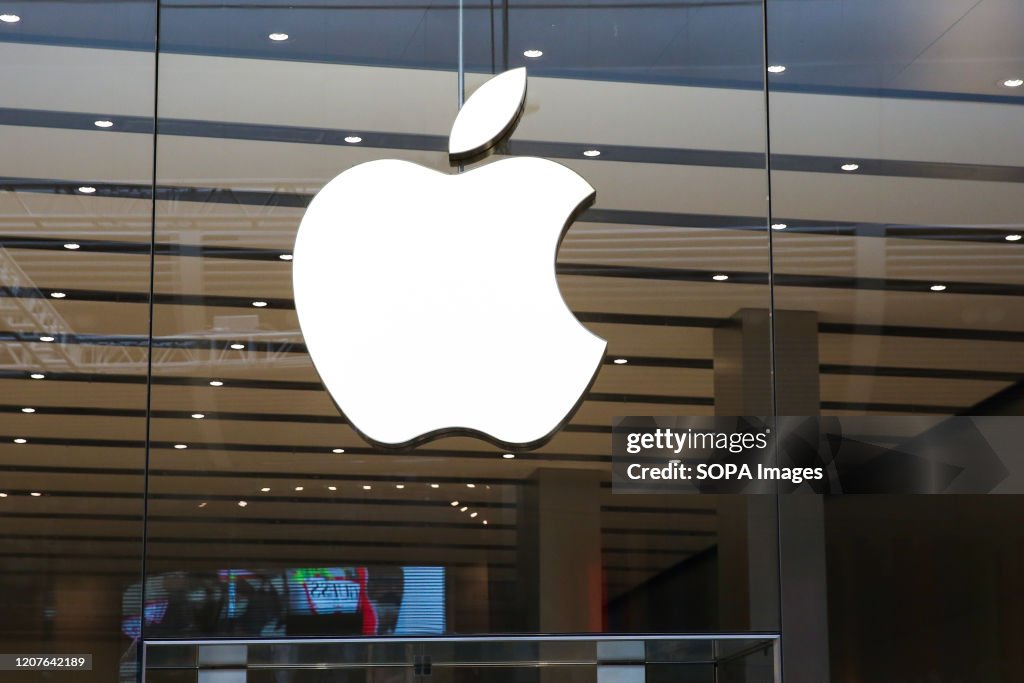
<point x="37" y="375"/>
<point x="72" y="245"/>
<point x="242" y="503"/>
<point x="300" y="488"/>
<point x="46" y="338"/>
<point x="367" y="487"/>
<point x="338" y="450"/>
<point x="202" y="505"/>
<point x="259" y="304"/>
<point x="779" y="226"/>
<point x="198" y="416"/>
<point x="238" y="347"/>
<point x="332" y="488"/>
<point x="463" y="508"/>
<point x="353" y="139"/>
<point x="87" y="189"/>
<point x="620" y="361"/>
<point x="1013" y="82"/>
<point x="533" y="54"/>
<point x="28" y="410"/>
<point x="265" y="489"/>
<point x="103" y="123"/>
<point x="35" y="494"/>
<point x="470" y="486"/>
<point x="399" y="486"/>
<point x="278" y="37"/>
<point x="19" y="440"/>
<point x="10" y="18"/>
<point x="509" y="456"/>
<point x="435" y="486"/>
<point x="58" y="295"/>
<point x="938" y="288"/>
<point x="216" y="383"/>
<point x="850" y="167"/>
<point x="592" y="153"/>
<point x="181" y="446"/>
<point x="3" y="495"/>
<point x="473" y="514"/>
<point x="485" y="521"/>
<point x="455" y="503"/>
<point x="720" y="277"/>
<point x="776" y="69"/>
<point x="1013" y="238"/>
<point x="285" y="257"/>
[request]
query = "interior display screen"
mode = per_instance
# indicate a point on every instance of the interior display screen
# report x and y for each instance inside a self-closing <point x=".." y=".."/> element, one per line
<point x="369" y="601"/>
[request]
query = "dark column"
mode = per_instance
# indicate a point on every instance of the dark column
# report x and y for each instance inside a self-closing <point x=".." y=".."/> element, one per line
<point x="743" y="386"/>
<point x="560" y="550"/>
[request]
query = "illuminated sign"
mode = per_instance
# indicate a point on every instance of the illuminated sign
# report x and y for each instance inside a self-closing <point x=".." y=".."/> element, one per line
<point x="429" y="302"/>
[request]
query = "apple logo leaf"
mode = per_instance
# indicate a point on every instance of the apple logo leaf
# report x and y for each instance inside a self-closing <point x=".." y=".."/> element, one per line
<point x="488" y="115"/>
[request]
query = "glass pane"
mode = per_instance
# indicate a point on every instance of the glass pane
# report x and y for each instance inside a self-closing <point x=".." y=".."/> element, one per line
<point x="660" y="106"/>
<point x="76" y="172"/>
<point x="896" y="167"/>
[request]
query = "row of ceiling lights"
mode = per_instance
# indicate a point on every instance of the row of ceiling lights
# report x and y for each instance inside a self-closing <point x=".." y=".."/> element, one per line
<point x="532" y="53"/>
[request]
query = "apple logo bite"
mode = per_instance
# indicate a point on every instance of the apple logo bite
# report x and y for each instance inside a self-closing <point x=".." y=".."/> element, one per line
<point x="428" y="301"/>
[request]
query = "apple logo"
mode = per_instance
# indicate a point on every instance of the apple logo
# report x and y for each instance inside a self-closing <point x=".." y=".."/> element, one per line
<point x="428" y="301"/>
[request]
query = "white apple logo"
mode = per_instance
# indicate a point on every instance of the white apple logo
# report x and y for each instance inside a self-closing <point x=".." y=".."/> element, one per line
<point x="429" y="302"/>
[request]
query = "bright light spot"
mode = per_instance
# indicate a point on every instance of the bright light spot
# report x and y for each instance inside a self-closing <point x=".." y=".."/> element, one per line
<point x="278" y="37"/>
<point x="509" y="456"/>
<point x="20" y="441"/>
<point x="87" y="189"/>
<point x="3" y="495"/>
<point x="721" y="277"/>
<point x="938" y="288"/>
<point x="259" y="304"/>
<point x="1013" y="82"/>
<point x="103" y="123"/>
<point x="285" y="257"/>
<point x="435" y="486"/>
<point x="216" y="383"/>
<point x="37" y="375"/>
<point x="202" y="505"/>
<point x="463" y="508"/>
<point x="353" y="139"/>
<point x="299" y="488"/>
<point x="46" y="338"/>
<point x="620" y="361"/>
<point x="850" y="167"/>
<point x="181" y="446"/>
<point x="242" y="503"/>
<point x="399" y="486"/>
<point x="779" y="226"/>
<point x="332" y="488"/>
<point x="58" y="295"/>
<point x="776" y="69"/>
<point x="72" y="246"/>
<point x="238" y="347"/>
<point x="592" y="153"/>
<point x="10" y="18"/>
<point x="1013" y="238"/>
<point x="485" y="521"/>
<point x="338" y="450"/>
<point x="28" y="410"/>
<point x="473" y="514"/>
<point x="367" y="487"/>
<point x="35" y="494"/>
<point x="198" y="416"/>
<point x="470" y="486"/>
<point x="455" y="503"/>
<point x="265" y="489"/>
<point x="533" y="54"/>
